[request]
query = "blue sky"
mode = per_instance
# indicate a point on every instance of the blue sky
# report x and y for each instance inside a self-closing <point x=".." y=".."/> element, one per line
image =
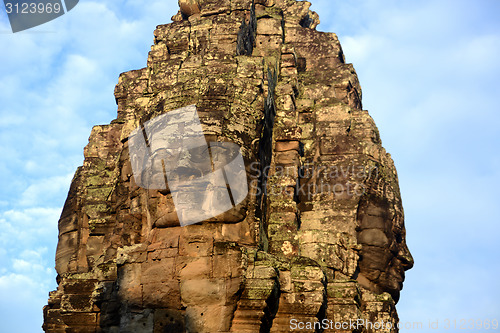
<point x="429" y="72"/>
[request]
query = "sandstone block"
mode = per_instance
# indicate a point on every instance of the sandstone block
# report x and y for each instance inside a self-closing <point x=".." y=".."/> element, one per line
<point x="164" y="294"/>
<point x="157" y="271"/>
<point x="203" y="291"/>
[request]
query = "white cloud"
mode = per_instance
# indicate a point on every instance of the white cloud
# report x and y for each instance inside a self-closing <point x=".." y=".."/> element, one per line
<point x="23" y="297"/>
<point x="27" y="252"/>
<point x="44" y="191"/>
<point x="26" y="267"/>
<point x="26" y="262"/>
<point x="28" y="228"/>
<point x="12" y="120"/>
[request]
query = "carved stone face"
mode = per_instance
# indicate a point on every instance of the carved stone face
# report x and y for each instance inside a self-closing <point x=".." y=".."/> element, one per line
<point x="189" y="180"/>
<point x="202" y="198"/>
<point x="384" y="255"/>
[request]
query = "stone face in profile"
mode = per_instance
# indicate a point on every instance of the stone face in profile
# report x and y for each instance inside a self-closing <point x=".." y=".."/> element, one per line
<point x="159" y="235"/>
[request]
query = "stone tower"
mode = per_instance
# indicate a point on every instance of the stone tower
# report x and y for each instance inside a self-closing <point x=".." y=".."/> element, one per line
<point x="319" y="241"/>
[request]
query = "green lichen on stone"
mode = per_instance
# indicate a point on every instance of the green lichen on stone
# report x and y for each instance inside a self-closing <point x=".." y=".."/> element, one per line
<point x="99" y="193"/>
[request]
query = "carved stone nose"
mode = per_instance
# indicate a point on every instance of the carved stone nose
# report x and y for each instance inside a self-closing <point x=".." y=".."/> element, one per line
<point x="406" y="258"/>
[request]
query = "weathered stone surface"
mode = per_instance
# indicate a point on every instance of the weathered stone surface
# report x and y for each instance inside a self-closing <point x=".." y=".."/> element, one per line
<point x="321" y="233"/>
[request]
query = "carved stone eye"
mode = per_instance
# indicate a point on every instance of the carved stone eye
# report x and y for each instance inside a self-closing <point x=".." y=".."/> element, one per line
<point x="374" y="237"/>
